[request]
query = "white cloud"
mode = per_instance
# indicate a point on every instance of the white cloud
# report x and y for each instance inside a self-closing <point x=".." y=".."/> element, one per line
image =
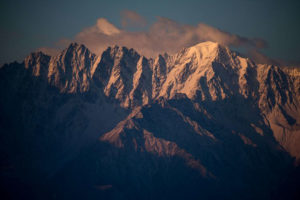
<point x="164" y="35"/>
<point x="101" y="27"/>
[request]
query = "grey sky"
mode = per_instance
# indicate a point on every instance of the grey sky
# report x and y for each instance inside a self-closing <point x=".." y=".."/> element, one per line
<point x="31" y="24"/>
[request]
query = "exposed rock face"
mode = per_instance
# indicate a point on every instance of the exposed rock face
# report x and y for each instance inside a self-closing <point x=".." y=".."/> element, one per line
<point x="279" y="101"/>
<point x="208" y="71"/>
<point x="37" y="63"/>
<point x="159" y="75"/>
<point x="121" y="126"/>
<point x="70" y="70"/>
<point x="125" y="76"/>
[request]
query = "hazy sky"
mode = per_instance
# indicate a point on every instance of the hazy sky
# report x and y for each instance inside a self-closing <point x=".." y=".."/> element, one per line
<point x="266" y="26"/>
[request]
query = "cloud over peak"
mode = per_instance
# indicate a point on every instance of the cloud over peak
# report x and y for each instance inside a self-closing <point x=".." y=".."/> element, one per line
<point x="103" y="26"/>
<point x="164" y="35"/>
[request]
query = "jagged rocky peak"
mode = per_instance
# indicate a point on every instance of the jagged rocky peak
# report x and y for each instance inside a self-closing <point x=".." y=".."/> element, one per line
<point x="35" y="56"/>
<point x="120" y="52"/>
<point x="115" y="58"/>
<point x="123" y="73"/>
<point x="193" y="71"/>
<point x="202" y="56"/>
<point x="209" y="71"/>
<point x="37" y="62"/>
<point x="70" y="70"/>
<point x="115" y="61"/>
<point x="276" y="87"/>
<point x="74" y="46"/>
<point x="77" y="52"/>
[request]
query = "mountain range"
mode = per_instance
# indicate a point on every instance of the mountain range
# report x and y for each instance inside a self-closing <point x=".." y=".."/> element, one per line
<point x="204" y="123"/>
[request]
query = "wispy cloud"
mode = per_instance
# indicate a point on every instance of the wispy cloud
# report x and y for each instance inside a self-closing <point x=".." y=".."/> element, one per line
<point x="164" y="35"/>
<point x="261" y="58"/>
<point x="57" y="47"/>
<point x="131" y="18"/>
<point x="49" y="50"/>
